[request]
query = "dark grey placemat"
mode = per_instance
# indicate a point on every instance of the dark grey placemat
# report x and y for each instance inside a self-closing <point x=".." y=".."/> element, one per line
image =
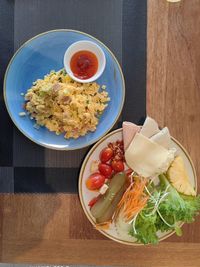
<point x="121" y="25"/>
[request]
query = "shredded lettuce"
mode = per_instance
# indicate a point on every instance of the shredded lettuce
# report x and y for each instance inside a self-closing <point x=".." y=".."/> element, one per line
<point x="165" y="210"/>
<point x="145" y="229"/>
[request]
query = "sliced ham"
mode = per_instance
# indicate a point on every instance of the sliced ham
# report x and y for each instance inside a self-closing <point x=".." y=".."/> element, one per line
<point x="129" y="131"/>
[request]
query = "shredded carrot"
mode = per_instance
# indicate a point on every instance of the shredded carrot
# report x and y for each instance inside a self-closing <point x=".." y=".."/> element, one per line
<point x="134" y="199"/>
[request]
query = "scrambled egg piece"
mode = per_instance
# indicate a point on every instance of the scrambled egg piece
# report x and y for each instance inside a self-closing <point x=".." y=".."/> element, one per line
<point x="65" y="106"/>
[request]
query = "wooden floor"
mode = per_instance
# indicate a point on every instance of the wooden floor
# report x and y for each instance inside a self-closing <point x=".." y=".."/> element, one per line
<point x="43" y="228"/>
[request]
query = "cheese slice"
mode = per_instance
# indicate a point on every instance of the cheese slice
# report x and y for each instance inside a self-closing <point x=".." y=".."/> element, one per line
<point x="150" y="127"/>
<point x="146" y="157"/>
<point x="162" y="138"/>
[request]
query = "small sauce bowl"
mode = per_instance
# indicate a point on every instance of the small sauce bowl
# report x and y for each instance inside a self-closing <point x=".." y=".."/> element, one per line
<point x="91" y="48"/>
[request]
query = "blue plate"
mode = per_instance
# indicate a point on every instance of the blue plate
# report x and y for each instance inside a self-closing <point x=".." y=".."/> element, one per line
<point x="38" y="57"/>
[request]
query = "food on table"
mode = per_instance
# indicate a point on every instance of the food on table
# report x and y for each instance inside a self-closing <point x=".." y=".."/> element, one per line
<point x="106" y="154"/>
<point x="105" y="169"/>
<point x="146" y="157"/>
<point x="94" y="167"/>
<point x="129" y="172"/>
<point x="148" y="190"/>
<point x="103" y="209"/>
<point x="109" y="214"/>
<point x="65" y="106"/>
<point x="129" y="131"/>
<point x="164" y="211"/>
<point x="95" y="181"/>
<point x="118" y="150"/>
<point x="117" y="165"/>
<point x="150" y="127"/>
<point x="103" y="189"/>
<point x="22" y="114"/>
<point x="111" y="162"/>
<point x="114" y="154"/>
<point x="84" y="64"/>
<point x="93" y="201"/>
<point x="132" y="202"/>
<point x="162" y="138"/>
<point x="178" y="176"/>
<point x="134" y="199"/>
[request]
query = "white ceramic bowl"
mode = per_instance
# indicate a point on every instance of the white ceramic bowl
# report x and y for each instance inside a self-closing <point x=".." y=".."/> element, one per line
<point x="88" y="46"/>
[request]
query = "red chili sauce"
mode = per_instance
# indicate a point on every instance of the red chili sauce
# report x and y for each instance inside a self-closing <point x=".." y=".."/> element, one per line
<point x="84" y="64"/>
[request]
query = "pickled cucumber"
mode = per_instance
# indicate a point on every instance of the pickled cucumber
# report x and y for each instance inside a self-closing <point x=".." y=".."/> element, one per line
<point x="104" y="208"/>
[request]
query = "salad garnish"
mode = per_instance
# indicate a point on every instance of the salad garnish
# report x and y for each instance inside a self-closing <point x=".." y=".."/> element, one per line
<point x="140" y="207"/>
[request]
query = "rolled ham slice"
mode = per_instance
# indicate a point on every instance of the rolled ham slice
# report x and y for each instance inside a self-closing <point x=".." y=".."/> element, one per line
<point x="129" y="131"/>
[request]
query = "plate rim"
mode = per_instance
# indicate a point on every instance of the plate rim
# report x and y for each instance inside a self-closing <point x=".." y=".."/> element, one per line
<point x="65" y="148"/>
<point x="80" y="188"/>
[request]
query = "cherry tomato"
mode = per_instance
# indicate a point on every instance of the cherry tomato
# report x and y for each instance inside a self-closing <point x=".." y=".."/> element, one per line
<point x="106" y="154"/>
<point x="93" y="201"/>
<point x="118" y="166"/>
<point x="105" y="169"/>
<point x="95" y="181"/>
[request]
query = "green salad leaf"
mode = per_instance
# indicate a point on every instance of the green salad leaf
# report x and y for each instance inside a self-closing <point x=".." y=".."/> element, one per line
<point x="165" y="210"/>
<point x="145" y="229"/>
<point x="177" y="207"/>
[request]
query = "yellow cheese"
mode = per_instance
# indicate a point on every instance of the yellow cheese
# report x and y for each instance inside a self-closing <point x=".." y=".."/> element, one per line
<point x="150" y="127"/>
<point x="162" y="138"/>
<point x="146" y="157"/>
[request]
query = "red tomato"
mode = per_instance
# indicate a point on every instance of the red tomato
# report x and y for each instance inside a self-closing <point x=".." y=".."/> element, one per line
<point x="118" y="166"/>
<point x="95" y="181"/>
<point x="105" y="169"/>
<point x="106" y="154"/>
<point x="93" y="201"/>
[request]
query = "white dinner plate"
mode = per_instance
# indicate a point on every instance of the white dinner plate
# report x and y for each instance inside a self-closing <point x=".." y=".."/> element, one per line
<point x="86" y="195"/>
